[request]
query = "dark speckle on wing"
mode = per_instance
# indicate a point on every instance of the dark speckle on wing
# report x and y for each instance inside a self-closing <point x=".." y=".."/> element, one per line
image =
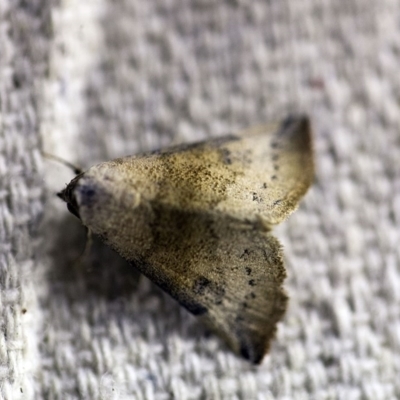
<point x="200" y="285"/>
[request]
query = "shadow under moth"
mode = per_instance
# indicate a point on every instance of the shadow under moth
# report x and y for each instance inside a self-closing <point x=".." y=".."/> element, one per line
<point x="196" y="219"/>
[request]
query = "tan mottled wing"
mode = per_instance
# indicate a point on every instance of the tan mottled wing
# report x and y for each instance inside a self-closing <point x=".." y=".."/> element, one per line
<point x="226" y="272"/>
<point x="279" y="170"/>
<point x="228" y="275"/>
<point x="258" y="175"/>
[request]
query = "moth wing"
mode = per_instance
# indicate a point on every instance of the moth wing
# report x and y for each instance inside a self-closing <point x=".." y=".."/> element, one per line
<point x="255" y="300"/>
<point x="228" y="275"/>
<point x="227" y="272"/>
<point x="256" y="176"/>
<point x="277" y="166"/>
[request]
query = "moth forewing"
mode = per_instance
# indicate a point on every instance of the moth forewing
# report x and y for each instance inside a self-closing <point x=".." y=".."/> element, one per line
<point x="277" y="169"/>
<point x="195" y="220"/>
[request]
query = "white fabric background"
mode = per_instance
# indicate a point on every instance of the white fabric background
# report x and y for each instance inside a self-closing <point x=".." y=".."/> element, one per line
<point x="93" y="80"/>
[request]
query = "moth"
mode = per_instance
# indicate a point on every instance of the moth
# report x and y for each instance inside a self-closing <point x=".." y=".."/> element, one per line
<point x="196" y="219"/>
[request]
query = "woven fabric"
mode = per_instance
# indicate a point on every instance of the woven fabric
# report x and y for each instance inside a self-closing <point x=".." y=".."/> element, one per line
<point x="92" y="80"/>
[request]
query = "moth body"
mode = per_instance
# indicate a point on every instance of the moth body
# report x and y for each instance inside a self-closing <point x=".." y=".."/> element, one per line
<point x="196" y="220"/>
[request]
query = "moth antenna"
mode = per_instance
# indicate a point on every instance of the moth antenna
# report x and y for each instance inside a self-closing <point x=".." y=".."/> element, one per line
<point x="77" y="170"/>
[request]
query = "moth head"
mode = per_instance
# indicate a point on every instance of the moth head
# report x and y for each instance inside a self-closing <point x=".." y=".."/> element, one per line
<point x="68" y="195"/>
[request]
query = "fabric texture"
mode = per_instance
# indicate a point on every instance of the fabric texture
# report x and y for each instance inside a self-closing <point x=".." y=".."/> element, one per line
<point x="93" y="80"/>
